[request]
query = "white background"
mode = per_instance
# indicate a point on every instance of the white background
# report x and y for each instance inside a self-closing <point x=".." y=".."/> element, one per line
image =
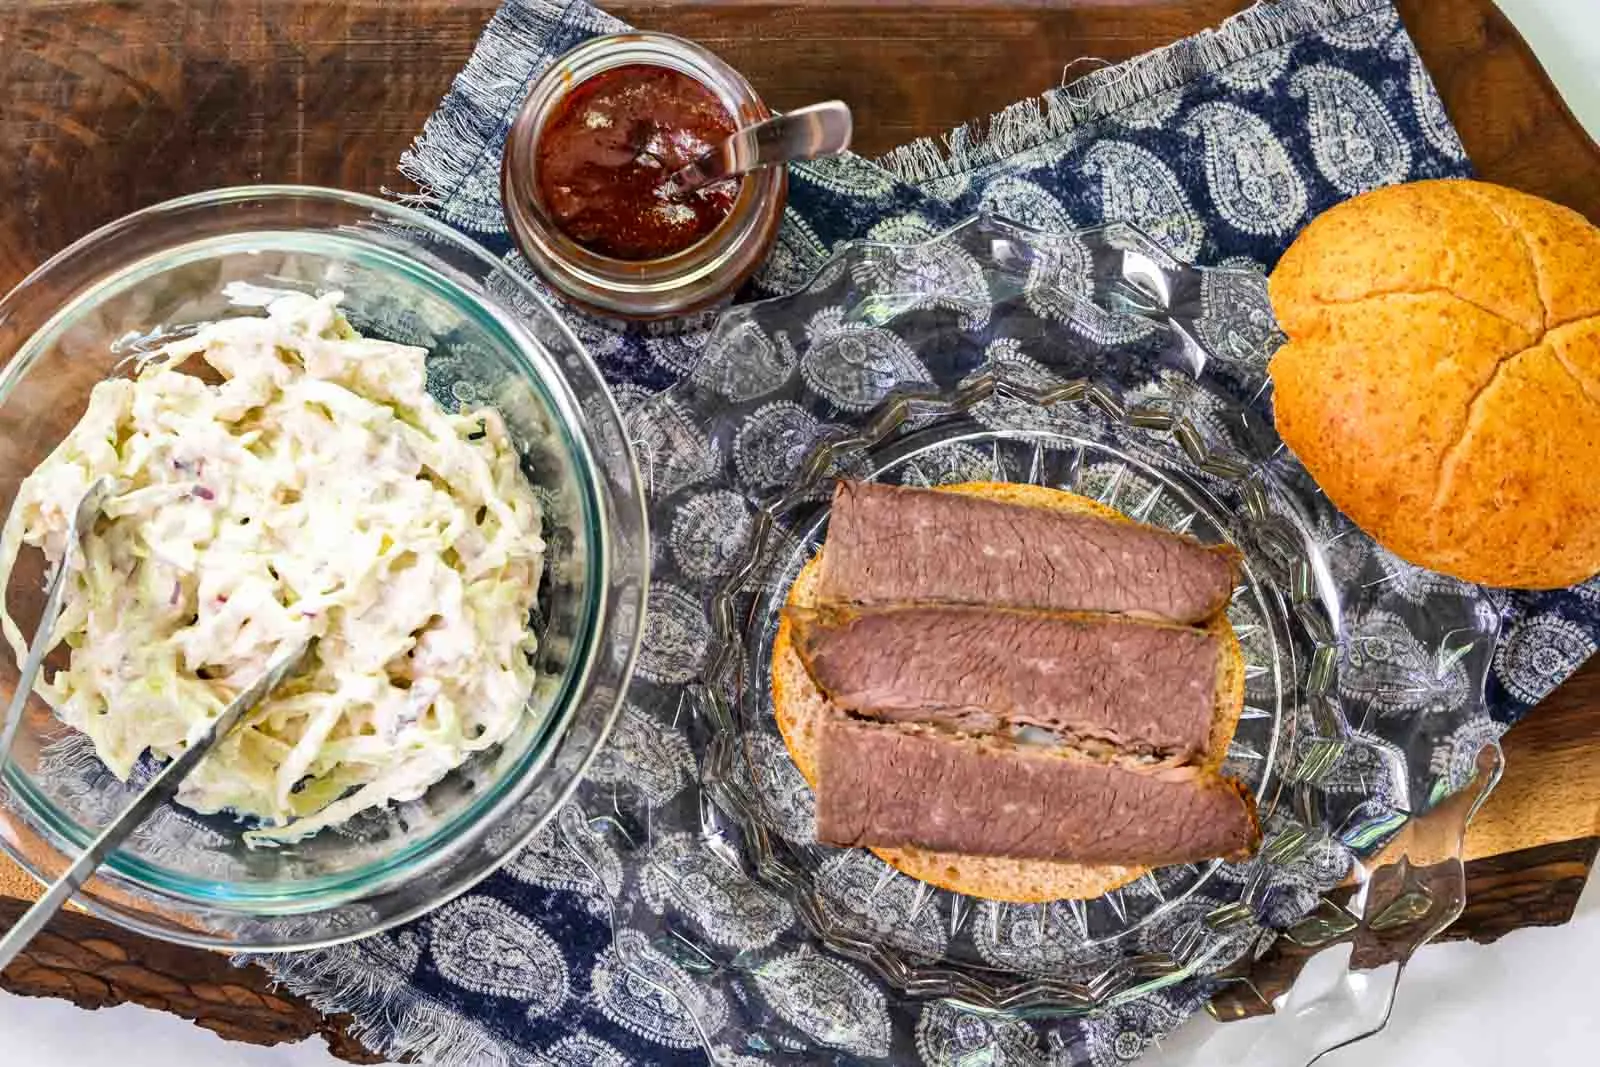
<point x="1528" y="998"/>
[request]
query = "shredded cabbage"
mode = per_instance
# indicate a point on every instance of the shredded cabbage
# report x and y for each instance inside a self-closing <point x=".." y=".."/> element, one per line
<point x="318" y="491"/>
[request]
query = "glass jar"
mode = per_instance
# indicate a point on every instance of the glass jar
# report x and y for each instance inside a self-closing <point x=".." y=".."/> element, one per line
<point x="703" y="275"/>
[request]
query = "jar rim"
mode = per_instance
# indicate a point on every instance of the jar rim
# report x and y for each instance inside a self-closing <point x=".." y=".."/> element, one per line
<point x="656" y="288"/>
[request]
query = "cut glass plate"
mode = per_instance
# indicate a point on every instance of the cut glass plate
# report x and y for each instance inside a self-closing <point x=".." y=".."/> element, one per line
<point x="1090" y="361"/>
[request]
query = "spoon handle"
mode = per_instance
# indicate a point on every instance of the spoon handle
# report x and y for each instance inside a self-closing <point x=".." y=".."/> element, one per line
<point x="804" y="133"/>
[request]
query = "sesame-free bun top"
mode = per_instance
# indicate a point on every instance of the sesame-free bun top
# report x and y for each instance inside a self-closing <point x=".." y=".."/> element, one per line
<point x="1442" y="377"/>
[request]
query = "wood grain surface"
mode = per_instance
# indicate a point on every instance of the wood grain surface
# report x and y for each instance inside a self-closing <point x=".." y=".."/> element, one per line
<point x="108" y="107"/>
<point x="81" y="959"/>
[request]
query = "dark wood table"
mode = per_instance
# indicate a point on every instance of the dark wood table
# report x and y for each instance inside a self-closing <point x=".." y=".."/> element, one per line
<point x="108" y="107"/>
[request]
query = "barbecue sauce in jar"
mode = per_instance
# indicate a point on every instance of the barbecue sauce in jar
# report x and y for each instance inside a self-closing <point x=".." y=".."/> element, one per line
<point x="596" y="136"/>
<point x="615" y="139"/>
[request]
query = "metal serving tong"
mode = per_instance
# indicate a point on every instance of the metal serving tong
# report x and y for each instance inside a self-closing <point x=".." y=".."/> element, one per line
<point x="82" y="521"/>
<point x="162" y="789"/>
<point x="165" y="784"/>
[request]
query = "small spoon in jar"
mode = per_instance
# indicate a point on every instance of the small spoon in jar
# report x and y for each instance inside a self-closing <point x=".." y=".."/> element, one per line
<point x="804" y="133"/>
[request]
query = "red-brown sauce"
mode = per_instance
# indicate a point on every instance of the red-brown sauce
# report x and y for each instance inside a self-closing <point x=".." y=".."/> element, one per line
<point x="609" y="146"/>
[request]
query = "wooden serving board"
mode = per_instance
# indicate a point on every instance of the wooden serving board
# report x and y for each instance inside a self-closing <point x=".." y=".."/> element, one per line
<point x="108" y="107"/>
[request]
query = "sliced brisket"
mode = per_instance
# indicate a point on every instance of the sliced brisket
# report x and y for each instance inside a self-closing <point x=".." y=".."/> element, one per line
<point x="1141" y="687"/>
<point x="892" y="786"/>
<point x="889" y="544"/>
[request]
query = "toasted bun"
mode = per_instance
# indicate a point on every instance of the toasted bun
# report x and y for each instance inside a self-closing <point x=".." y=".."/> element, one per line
<point x="801" y="709"/>
<point x="1442" y="377"/>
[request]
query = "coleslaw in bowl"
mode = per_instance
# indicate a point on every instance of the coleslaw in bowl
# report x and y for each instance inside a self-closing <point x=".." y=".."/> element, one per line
<point x="324" y="416"/>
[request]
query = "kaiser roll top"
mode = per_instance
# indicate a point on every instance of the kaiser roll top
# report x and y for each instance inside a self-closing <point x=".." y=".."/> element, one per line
<point x="1442" y="377"/>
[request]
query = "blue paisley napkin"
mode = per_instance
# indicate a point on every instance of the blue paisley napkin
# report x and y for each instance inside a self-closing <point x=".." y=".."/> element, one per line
<point x="1221" y="147"/>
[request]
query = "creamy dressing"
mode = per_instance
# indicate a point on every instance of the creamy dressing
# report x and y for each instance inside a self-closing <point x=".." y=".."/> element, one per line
<point x="318" y="491"/>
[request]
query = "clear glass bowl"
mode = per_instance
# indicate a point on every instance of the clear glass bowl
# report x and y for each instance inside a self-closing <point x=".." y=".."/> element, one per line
<point x="77" y="319"/>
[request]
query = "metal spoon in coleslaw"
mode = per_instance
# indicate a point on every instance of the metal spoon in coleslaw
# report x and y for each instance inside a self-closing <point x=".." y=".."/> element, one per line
<point x="316" y="491"/>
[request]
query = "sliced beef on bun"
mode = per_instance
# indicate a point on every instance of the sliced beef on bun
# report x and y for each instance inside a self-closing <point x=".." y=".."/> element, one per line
<point x="893" y="544"/>
<point x="1442" y="377"/>
<point x="806" y="717"/>
<point x="1102" y="682"/>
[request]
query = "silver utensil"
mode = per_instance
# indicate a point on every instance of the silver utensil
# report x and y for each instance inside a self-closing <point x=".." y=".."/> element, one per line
<point x="805" y="133"/>
<point x="82" y="522"/>
<point x="160" y="790"/>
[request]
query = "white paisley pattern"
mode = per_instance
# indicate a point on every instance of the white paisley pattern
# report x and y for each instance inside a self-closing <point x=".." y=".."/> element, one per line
<point x="645" y="993"/>
<point x="676" y="636"/>
<point x="1416" y="585"/>
<point x="1258" y="72"/>
<point x="1124" y="1034"/>
<point x="677" y="352"/>
<point x="1027" y="203"/>
<point x="673" y="454"/>
<point x="741" y="362"/>
<point x="628" y="400"/>
<point x="1353" y="139"/>
<point x="791" y="806"/>
<point x="1006" y="357"/>
<point x="1183" y="934"/>
<point x="1032" y="938"/>
<point x="951" y="1036"/>
<point x="938" y="274"/>
<point x="1151" y="113"/>
<point x="1137" y="187"/>
<point x="482" y="945"/>
<point x="1372" y="768"/>
<point x="1253" y="181"/>
<point x="646" y="755"/>
<point x="1059" y="289"/>
<point x="551" y="862"/>
<point x="1455" y="759"/>
<point x="1176" y="393"/>
<point x="859" y="892"/>
<point x="1294" y="888"/>
<point x="584" y="1050"/>
<point x="1343" y="546"/>
<point x="1588" y="592"/>
<point x="849" y="175"/>
<point x="1539" y="654"/>
<point x="1430" y="113"/>
<point x="948" y="187"/>
<point x="853" y="365"/>
<point x="1237" y="320"/>
<point x="1388" y="670"/>
<point x="772" y="443"/>
<point x="908" y="229"/>
<point x="605" y="345"/>
<point x="948" y="466"/>
<point x="1242" y="263"/>
<point x="475" y="203"/>
<point x="796" y="256"/>
<point x="1363" y="32"/>
<point x="828" y="1001"/>
<point x="709" y="533"/>
<point x="730" y="908"/>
